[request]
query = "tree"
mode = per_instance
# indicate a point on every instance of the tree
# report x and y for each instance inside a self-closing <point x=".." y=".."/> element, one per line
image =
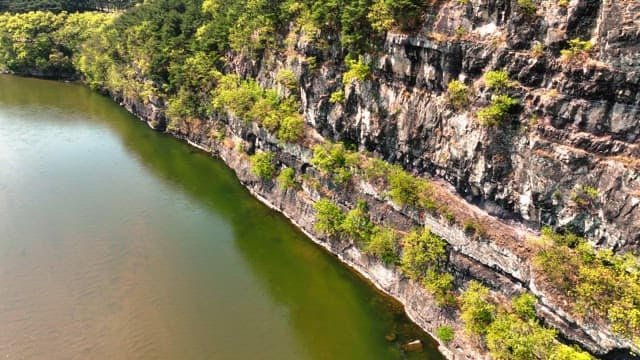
<point x="329" y="217"/>
<point x="263" y="165"/>
<point x="477" y="311"/>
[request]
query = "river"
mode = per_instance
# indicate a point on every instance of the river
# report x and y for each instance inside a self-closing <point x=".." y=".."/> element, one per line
<point x="118" y="242"/>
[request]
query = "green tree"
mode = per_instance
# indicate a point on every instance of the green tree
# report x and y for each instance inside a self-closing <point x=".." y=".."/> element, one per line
<point x="329" y="217"/>
<point x="263" y="165"/>
<point x="383" y="245"/>
<point x="477" y="311"/>
<point x="422" y="251"/>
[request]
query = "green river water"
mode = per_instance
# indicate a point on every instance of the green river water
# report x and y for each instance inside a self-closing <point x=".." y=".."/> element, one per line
<point x="117" y="242"/>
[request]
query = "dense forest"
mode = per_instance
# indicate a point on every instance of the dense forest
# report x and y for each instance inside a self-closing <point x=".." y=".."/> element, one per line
<point x="179" y="51"/>
<point x="20" y="6"/>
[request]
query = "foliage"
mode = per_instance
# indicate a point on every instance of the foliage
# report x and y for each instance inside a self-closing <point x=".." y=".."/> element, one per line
<point x="329" y="217"/>
<point x="477" y="311"/>
<point x="375" y="169"/>
<point x="337" y="97"/>
<point x="528" y="7"/>
<point x="287" y="179"/>
<point x="333" y="159"/>
<point x="247" y="100"/>
<point x="601" y="284"/>
<point x="45" y="44"/>
<point x="445" y="333"/>
<point x="576" y="48"/>
<point x="524" y="306"/>
<point x="585" y="195"/>
<point x="383" y="244"/>
<point x="380" y="16"/>
<point x="405" y="189"/>
<point x="357" y="224"/>
<point x="564" y="352"/>
<point x="511" y="338"/>
<point x="457" y="94"/>
<point x="422" y="251"/>
<point x="497" y="80"/>
<point x="440" y="285"/>
<point x="291" y="128"/>
<point x="497" y="111"/>
<point x="263" y="165"/>
<point x="356" y="70"/>
<point x="287" y="78"/>
<point x="56" y="6"/>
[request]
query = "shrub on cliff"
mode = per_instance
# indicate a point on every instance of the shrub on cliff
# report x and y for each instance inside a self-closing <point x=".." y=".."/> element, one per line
<point x="477" y="311"/>
<point x="335" y="160"/>
<point x="263" y="165"/>
<point x="499" y="108"/>
<point x="291" y="128"/>
<point x="356" y="70"/>
<point x="405" y="189"/>
<point x="329" y="217"/>
<point x="445" y="333"/>
<point x="577" y="48"/>
<point x="287" y="179"/>
<point x="357" y="224"/>
<point x="497" y="80"/>
<point x="422" y="251"/>
<point x="511" y="338"/>
<point x="383" y="245"/>
<point x="457" y="94"/>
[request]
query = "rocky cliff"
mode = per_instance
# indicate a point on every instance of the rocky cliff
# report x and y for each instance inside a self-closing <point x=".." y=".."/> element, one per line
<point x="576" y="127"/>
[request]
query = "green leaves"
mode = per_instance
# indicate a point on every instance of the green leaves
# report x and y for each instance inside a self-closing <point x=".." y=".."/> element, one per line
<point x="477" y="311"/>
<point x="329" y="217"/>
<point x="263" y="165"/>
<point x="422" y="251"/>
<point x="499" y="108"/>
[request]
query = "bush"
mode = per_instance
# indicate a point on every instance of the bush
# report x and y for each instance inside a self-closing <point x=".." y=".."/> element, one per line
<point x="445" y="333"/>
<point x="287" y="78"/>
<point x="576" y="48"/>
<point x="380" y="16"/>
<point x="528" y="6"/>
<point x="497" y="80"/>
<point x="477" y="311"/>
<point x="333" y="159"/>
<point x="422" y="251"/>
<point x="375" y="169"/>
<point x="291" y="128"/>
<point x="440" y="285"/>
<point x="337" y="97"/>
<point x="263" y="165"/>
<point x="356" y="70"/>
<point x="356" y="224"/>
<point x="511" y="338"/>
<point x="497" y="111"/>
<point x="457" y="94"/>
<point x="287" y="179"/>
<point x="524" y="306"/>
<point x="383" y="245"/>
<point x="329" y="217"/>
<point x="405" y="189"/>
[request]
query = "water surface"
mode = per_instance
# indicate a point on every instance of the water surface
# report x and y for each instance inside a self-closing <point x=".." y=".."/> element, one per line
<point x="117" y="242"/>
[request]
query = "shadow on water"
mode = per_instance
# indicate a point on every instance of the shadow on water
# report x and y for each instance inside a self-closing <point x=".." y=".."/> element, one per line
<point x="330" y="308"/>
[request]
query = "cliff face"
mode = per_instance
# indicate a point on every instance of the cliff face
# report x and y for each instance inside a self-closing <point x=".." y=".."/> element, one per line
<point x="577" y="126"/>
